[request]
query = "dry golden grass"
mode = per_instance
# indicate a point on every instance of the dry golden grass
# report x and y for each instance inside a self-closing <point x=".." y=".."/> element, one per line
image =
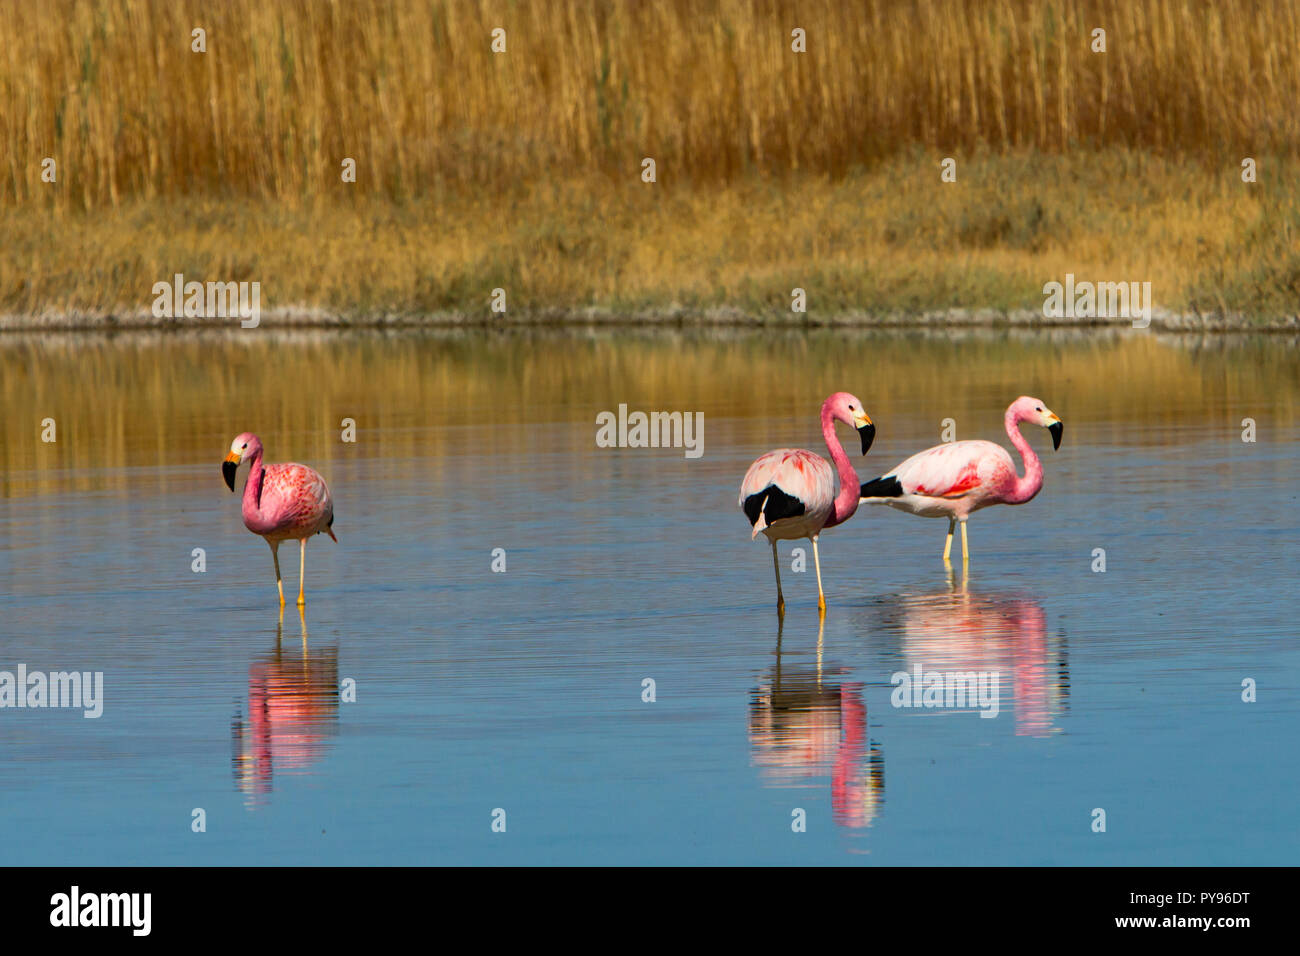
<point x="776" y="169"/>
<point x="886" y="241"/>
<point x="710" y="88"/>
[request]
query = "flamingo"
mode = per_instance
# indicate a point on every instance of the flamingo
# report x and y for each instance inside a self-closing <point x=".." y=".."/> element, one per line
<point x="954" y="479"/>
<point x="791" y="493"/>
<point x="281" y="502"/>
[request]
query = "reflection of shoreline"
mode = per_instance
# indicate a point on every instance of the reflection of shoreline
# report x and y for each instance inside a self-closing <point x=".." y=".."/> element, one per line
<point x="956" y="630"/>
<point x="292" y="712"/>
<point x="803" y="726"/>
<point x="167" y="398"/>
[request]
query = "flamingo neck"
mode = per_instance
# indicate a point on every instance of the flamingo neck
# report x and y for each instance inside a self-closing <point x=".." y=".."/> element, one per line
<point x="1028" y="486"/>
<point x="253" y="486"/>
<point x="846" y="502"/>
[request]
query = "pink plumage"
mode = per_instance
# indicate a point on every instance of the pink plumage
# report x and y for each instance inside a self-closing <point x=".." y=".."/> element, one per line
<point x="792" y="493"/>
<point x="797" y="473"/>
<point x="280" y="502"/>
<point x="292" y="502"/>
<point x="957" y="479"/>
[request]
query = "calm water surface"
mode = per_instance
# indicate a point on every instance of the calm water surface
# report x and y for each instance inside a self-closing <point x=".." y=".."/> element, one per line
<point x="522" y="690"/>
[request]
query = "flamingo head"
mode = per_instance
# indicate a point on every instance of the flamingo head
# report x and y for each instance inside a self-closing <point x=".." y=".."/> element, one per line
<point x="848" y="409"/>
<point x="1033" y="410"/>
<point x="243" y="448"/>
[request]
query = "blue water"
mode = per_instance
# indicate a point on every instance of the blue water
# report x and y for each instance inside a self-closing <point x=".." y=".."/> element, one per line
<point x="523" y="691"/>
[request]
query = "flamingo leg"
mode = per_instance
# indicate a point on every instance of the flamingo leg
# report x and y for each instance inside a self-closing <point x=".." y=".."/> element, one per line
<point x="302" y="567"/>
<point x="817" y="561"/>
<point x="965" y="552"/>
<point x="275" y="556"/>
<point x="821" y="629"/>
<point x="776" y="566"/>
<point x="947" y="545"/>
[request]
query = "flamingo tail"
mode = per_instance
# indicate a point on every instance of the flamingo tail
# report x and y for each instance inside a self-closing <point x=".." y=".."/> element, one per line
<point x="885" y="487"/>
<point x="769" y="505"/>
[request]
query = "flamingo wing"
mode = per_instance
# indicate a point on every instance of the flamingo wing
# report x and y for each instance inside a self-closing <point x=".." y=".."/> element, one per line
<point x="951" y="470"/>
<point x="297" y="498"/>
<point x="787" y="483"/>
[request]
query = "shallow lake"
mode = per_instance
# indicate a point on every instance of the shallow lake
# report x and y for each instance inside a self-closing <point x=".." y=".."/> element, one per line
<point x="471" y="691"/>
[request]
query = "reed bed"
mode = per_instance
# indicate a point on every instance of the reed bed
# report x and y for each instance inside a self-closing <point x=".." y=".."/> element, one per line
<point x="775" y="169"/>
<point x="886" y="242"/>
<point x="711" y="89"/>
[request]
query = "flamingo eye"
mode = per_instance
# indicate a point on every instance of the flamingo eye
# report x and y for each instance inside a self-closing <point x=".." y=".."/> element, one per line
<point x="1039" y="408"/>
<point x="246" y="443"/>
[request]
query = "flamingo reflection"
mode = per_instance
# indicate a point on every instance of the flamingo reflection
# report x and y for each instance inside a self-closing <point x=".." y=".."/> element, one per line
<point x="960" y="630"/>
<point x="292" y="712"/>
<point x="804" y="725"/>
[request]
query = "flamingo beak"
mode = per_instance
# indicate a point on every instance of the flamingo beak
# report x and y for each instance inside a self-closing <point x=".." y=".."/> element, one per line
<point x="868" y="433"/>
<point x="228" y="468"/>
<point x="1057" y="428"/>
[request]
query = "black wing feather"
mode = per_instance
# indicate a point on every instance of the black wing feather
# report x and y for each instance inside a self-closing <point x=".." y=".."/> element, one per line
<point x="779" y="505"/>
<point x="886" y="487"/>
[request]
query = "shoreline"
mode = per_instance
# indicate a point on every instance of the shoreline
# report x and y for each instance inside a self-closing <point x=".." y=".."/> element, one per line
<point x="308" y="318"/>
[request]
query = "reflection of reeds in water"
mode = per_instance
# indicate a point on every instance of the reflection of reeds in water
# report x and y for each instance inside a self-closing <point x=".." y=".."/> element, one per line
<point x="155" y="402"/>
<point x="293" y="702"/>
<point x="412" y="90"/>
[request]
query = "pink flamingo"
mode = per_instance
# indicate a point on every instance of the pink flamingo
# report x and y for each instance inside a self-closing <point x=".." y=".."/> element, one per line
<point x="281" y="502"/>
<point x="791" y="493"/>
<point x="954" y="479"/>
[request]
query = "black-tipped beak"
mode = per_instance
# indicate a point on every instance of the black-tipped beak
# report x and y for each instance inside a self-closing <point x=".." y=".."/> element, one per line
<point x="868" y="433"/>
<point x="1057" y="429"/>
<point x="228" y="469"/>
